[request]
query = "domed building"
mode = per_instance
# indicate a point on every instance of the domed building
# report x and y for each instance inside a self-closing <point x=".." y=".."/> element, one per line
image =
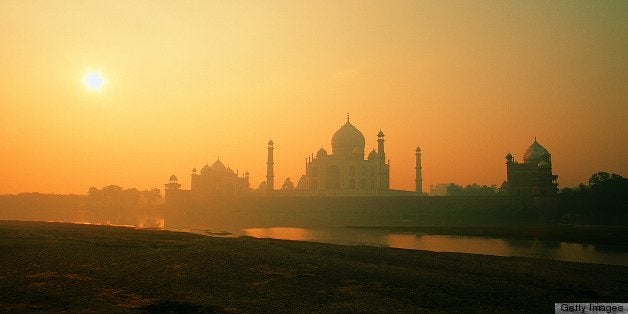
<point x="218" y="180"/>
<point x="532" y="177"/>
<point x="345" y="172"/>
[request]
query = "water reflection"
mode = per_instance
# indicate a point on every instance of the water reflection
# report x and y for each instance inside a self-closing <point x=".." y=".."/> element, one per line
<point x="444" y="243"/>
<point x="297" y="234"/>
<point x="151" y="222"/>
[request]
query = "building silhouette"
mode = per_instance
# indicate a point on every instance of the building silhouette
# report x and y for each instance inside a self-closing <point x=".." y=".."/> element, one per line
<point x="218" y="180"/>
<point x="172" y="192"/>
<point x="212" y="182"/>
<point x="534" y="176"/>
<point x="345" y="171"/>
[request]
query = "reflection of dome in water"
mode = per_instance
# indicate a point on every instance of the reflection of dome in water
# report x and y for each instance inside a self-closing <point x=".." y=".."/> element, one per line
<point x="348" y="140"/>
<point x="535" y="153"/>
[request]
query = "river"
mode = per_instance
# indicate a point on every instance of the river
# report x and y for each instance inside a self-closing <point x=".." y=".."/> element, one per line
<point x="564" y="251"/>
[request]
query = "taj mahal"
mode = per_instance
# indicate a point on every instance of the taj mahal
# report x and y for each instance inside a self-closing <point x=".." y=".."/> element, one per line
<point x="345" y="172"/>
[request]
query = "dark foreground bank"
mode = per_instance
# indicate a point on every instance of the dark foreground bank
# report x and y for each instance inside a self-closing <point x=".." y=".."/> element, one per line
<point x="66" y="267"/>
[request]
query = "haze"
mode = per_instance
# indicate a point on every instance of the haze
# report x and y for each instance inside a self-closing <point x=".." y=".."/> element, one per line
<point x="190" y="81"/>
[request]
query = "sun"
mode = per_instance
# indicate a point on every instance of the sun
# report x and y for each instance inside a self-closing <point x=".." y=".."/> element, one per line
<point x="94" y="81"/>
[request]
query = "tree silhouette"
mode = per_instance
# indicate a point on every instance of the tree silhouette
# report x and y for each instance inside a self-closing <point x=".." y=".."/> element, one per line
<point x="603" y="200"/>
<point x="471" y="190"/>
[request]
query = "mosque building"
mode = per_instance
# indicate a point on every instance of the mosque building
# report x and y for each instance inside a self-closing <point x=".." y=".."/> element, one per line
<point x="219" y="180"/>
<point x="534" y="176"/>
<point x="212" y="181"/>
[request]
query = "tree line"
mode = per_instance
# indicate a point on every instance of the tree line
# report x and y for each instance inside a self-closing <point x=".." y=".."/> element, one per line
<point x="114" y="196"/>
<point x="603" y="200"/>
<point x="472" y="190"/>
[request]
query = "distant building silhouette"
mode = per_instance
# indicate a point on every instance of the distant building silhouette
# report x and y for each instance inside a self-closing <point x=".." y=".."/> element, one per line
<point x="172" y="190"/>
<point x="218" y="180"/>
<point x="212" y="181"/>
<point x="439" y="189"/>
<point x="534" y="176"/>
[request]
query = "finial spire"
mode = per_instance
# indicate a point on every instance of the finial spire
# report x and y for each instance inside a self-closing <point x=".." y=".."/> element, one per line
<point x="347" y="117"/>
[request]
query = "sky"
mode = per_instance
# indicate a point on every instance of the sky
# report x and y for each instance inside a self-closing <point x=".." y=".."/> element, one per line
<point x="188" y="82"/>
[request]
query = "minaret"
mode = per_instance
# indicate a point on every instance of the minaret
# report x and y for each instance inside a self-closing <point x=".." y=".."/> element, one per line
<point x="381" y="162"/>
<point x="419" y="174"/>
<point x="509" y="165"/>
<point x="172" y="190"/>
<point x="270" y="176"/>
<point x="380" y="145"/>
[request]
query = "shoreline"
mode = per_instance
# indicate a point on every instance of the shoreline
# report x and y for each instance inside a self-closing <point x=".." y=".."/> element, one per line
<point x="68" y="267"/>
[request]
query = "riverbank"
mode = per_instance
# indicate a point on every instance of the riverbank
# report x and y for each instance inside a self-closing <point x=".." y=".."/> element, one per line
<point x="68" y="267"/>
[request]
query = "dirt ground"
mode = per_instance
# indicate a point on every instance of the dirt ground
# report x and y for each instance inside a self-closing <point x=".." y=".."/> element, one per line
<point x="56" y="267"/>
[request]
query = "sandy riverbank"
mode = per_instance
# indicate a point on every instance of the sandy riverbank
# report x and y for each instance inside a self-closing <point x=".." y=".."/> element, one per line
<point x="66" y="267"/>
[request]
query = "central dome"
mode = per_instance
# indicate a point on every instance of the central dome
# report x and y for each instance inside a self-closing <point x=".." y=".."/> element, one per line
<point x="348" y="141"/>
<point x="218" y="166"/>
<point x="535" y="153"/>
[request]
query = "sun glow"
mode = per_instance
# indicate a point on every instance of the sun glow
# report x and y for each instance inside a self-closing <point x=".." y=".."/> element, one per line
<point x="94" y="81"/>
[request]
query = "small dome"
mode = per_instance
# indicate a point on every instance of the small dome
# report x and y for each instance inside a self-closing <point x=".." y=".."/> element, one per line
<point x="535" y="153"/>
<point x="173" y="178"/>
<point x="347" y="140"/>
<point x="372" y="155"/>
<point x="380" y="134"/>
<point x="270" y="143"/>
<point x="321" y="153"/>
<point x="230" y="170"/>
<point x="418" y="149"/>
<point x="509" y="156"/>
<point x="544" y="164"/>
<point x="205" y="169"/>
<point x="193" y="170"/>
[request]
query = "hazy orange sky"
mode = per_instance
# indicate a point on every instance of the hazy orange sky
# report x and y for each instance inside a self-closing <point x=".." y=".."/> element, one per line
<point x="191" y="81"/>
